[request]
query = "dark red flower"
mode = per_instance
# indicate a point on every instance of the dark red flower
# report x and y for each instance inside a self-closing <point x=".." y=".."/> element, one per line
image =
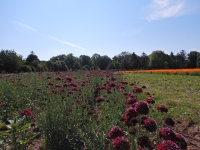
<point x="127" y="122"/>
<point x="58" y="78"/>
<point x="147" y="93"/>
<point x="116" y="131"/>
<point x="180" y="140"/>
<point x="26" y="112"/>
<point x="150" y="100"/>
<point x="121" y="143"/>
<point x="169" y="122"/>
<point x="137" y="90"/>
<point x="167" y="134"/>
<point x="133" y="131"/>
<point x="141" y="107"/>
<point x="77" y="101"/>
<point x="2" y="105"/>
<point x="99" y="99"/>
<point x="144" y="141"/>
<point x="162" y="108"/>
<point x="130" y="113"/>
<point x="134" y="121"/>
<point x="90" y="112"/>
<point x="167" y="145"/>
<point x="131" y="101"/>
<point x="4" y="128"/>
<point x="150" y="125"/>
<point x="143" y="118"/>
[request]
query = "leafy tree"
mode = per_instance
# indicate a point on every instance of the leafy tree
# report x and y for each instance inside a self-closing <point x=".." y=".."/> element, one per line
<point x="32" y="57"/>
<point x="144" y="61"/>
<point x="104" y="61"/>
<point x="85" y="60"/>
<point x="198" y="60"/>
<point x="135" y="61"/>
<point x="10" y="61"/>
<point x="158" y="60"/>
<point x="192" y="59"/>
<point x="96" y="58"/>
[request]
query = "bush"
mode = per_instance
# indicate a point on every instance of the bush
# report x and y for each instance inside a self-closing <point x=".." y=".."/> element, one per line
<point x="25" y="68"/>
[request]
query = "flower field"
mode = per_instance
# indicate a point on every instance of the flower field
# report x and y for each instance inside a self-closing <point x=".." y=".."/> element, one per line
<point x="96" y="110"/>
<point x="195" y="71"/>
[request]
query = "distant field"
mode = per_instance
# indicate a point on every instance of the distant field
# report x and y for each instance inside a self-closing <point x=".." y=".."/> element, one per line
<point x="180" y="93"/>
<point x="195" y="71"/>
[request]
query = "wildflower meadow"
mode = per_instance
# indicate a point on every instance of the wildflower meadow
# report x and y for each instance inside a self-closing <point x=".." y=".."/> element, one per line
<point x="96" y="110"/>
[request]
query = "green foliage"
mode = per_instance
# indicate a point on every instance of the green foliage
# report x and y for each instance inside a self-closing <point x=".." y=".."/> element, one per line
<point x="25" y="68"/>
<point x="10" y="61"/>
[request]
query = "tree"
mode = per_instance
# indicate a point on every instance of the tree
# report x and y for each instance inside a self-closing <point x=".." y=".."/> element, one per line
<point x="198" y="60"/>
<point x="96" y="58"/>
<point x="104" y="61"/>
<point x="31" y="57"/>
<point x="134" y="61"/>
<point x="85" y="60"/>
<point x="10" y="61"/>
<point x="158" y="60"/>
<point x="144" y="60"/>
<point x="192" y="59"/>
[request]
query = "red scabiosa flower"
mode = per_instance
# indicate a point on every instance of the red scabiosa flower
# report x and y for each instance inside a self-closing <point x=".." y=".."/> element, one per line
<point x="150" y="100"/>
<point x="137" y="90"/>
<point x="133" y="121"/>
<point x="162" y="108"/>
<point x="58" y="78"/>
<point x="57" y="85"/>
<point x="77" y="101"/>
<point x="141" y="107"/>
<point x="147" y="93"/>
<point x="167" y="145"/>
<point x="143" y="119"/>
<point x="99" y="99"/>
<point x="4" y="128"/>
<point x="167" y="134"/>
<point x="169" y="122"/>
<point x="130" y="113"/>
<point x="131" y="101"/>
<point x="144" y="141"/>
<point x="133" y="131"/>
<point x="2" y="105"/>
<point x="150" y="125"/>
<point x="90" y="112"/>
<point x="116" y="131"/>
<point x="26" y="112"/>
<point x="180" y="140"/>
<point x="121" y="143"/>
<point x="127" y="122"/>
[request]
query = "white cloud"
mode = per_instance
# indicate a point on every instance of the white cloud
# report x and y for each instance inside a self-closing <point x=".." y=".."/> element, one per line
<point x="160" y="9"/>
<point x="24" y="25"/>
<point x="64" y="42"/>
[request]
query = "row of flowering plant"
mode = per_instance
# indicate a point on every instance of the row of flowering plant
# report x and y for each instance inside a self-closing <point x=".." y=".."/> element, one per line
<point x="83" y="110"/>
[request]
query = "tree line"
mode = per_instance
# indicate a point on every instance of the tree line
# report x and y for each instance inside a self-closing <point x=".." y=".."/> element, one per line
<point x="12" y="62"/>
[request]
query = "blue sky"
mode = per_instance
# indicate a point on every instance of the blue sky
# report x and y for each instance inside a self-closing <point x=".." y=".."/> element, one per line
<point x="107" y="27"/>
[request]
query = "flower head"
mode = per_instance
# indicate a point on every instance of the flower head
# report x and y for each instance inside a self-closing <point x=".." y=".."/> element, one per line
<point x="121" y="143"/>
<point x="167" y="145"/>
<point x="116" y="131"/>
<point x="26" y="112"/>
<point x="130" y="113"/>
<point x="169" y="122"/>
<point x="180" y="140"/>
<point x="144" y="141"/>
<point x="99" y="99"/>
<point x="167" y="134"/>
<point x="150" y="125"/>
<point x="141" y="107"/>
<point x="162" y="108"/>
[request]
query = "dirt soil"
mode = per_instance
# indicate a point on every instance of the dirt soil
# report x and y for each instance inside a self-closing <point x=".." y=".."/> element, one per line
<point x="191" y="132"/>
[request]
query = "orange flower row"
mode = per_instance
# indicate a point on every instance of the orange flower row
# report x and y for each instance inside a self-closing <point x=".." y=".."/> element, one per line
<point x="166" y="71"/>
